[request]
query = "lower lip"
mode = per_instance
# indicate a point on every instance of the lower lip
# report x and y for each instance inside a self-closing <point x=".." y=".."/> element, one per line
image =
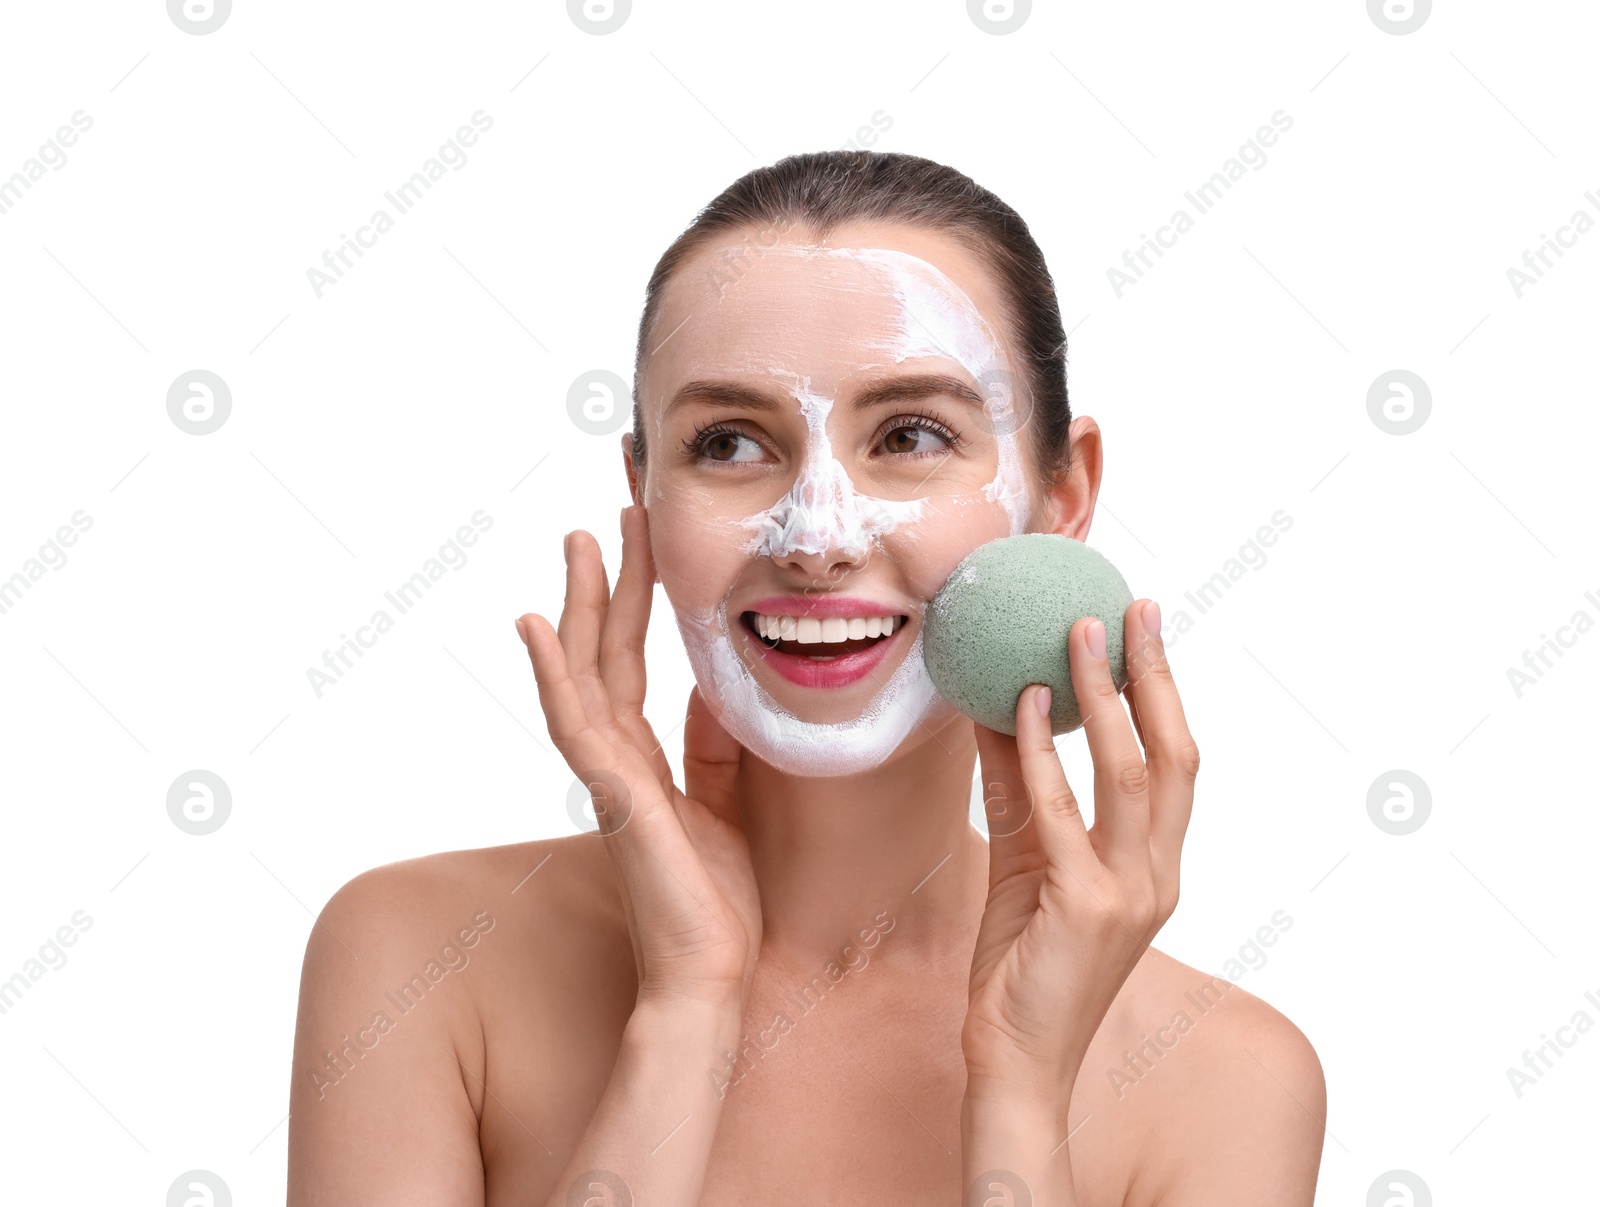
<point x="837" y="672"/>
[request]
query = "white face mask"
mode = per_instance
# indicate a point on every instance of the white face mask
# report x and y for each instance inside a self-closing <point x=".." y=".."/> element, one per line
<point x="801" y="318"/>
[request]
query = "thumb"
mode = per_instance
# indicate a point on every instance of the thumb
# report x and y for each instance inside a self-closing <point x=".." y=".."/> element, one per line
<point x="710" y="759"/>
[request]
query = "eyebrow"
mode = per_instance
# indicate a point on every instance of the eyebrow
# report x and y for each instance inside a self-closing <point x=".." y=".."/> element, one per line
<point x="874" y="394"/>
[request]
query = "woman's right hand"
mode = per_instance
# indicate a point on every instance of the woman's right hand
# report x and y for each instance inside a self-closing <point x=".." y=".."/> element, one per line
<point x="682" y="859"/>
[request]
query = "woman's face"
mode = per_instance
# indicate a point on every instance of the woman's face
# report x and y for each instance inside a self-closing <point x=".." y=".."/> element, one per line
<point x="829" y="432"/>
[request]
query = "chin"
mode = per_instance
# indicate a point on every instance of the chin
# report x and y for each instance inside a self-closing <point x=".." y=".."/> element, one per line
<point x="777" y="732"/>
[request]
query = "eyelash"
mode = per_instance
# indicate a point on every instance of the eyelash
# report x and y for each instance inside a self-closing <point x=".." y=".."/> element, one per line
<point x="694" y="446"/>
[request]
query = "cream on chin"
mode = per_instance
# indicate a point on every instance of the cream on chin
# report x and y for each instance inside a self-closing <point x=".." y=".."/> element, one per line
<point x="793" y="745"/>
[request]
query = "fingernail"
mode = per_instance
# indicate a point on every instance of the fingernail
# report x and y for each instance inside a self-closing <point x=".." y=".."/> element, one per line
<point x="1041" y="700"/>
<point x="520" y="632"/>
<point x="1096" y="637"/>
<point x="1152" y="619"/>
<point x="566" y="548"/>
<point x="622" y="521"/>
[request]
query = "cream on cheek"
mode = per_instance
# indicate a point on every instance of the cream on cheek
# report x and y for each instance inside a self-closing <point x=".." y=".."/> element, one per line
<point x="822" y="513"/>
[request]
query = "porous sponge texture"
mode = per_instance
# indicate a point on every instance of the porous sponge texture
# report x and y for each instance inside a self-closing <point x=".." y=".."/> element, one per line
<point x="1001" y="620"/>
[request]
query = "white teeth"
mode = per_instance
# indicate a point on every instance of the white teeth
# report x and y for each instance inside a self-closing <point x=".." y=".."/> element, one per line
<point x="812" y="630"/>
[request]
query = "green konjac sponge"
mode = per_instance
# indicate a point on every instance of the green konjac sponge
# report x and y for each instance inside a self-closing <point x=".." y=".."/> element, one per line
<point x="1001" y="620"/>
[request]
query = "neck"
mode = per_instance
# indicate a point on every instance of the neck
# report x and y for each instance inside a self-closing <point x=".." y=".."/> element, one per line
<point x="893" y="847"/>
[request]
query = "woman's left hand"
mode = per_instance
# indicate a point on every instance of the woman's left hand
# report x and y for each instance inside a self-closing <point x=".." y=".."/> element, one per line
<point x="1071" y="910"/>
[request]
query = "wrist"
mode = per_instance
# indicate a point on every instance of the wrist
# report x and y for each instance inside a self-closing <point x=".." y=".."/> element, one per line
<point x="1015" y="1151"/>
<point x="686" y="1019"/>
<point x="1032" y="1092"/>
<point x="688" y="1041"/>
<point x="1015" y="1109"/>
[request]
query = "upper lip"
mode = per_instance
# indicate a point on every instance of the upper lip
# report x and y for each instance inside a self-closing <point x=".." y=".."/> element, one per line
<point x="822" y="605"/>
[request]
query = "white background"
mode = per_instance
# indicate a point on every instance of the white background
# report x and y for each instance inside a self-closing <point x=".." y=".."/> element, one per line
<point x="368" y="424"/>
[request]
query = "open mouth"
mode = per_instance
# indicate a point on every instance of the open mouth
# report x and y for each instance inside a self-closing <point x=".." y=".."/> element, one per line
<point x="821" y="640"/>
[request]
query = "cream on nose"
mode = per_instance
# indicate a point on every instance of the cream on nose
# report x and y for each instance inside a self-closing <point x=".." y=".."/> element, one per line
<point x="821" y="514"/>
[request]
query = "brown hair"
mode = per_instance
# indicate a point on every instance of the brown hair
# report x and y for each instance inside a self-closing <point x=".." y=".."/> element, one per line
<point x="823" y="190"/>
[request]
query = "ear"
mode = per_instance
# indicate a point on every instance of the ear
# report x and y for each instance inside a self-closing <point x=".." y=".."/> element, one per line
<point x="633" y="480"/>
<point x="1069" y="504"/>
<point x="627" y="465"/>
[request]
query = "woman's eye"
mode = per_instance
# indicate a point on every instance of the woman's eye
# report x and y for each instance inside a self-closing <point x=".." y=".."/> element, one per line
<point x="916" y="439"/>
<point x="716" y="444"/>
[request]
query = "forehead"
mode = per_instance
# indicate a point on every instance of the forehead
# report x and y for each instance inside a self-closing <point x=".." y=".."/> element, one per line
<point x="867" y="299"/>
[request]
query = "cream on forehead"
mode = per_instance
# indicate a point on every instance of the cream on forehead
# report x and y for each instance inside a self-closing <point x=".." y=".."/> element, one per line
<point x="933" y="318"/>
<point x="938" y="318"/>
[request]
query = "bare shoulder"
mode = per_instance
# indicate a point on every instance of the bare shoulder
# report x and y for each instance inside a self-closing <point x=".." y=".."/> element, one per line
<point x="1231" y="1092"/>
<point x="401" y="967"/>
<point x="437" y="912"/>
<point x="421" y="900"/>
<point x="431" y="878"/>
<point x="390" y="917"/>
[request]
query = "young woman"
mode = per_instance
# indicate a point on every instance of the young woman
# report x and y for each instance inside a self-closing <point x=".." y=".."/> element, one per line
<point x="804" y="976"/>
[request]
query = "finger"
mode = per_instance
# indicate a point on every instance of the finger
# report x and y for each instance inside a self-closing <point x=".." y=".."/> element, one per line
<point x="1121" y="779"/>
<point x="1127" y="698"/>
<point x="627" y="619"/>
<point x="576" y="733"/>
<point x="1056" y="817"/>
<point x="710" y="760"/>
<point x="642" y="831"/>
<point x="1170" y="750"/>
<point x="1007" y="804"/>
<point x="583" y="616"/>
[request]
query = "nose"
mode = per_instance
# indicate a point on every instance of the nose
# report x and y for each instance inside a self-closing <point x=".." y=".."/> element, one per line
<point x="827" y="567"/>
<point x="821" y="527"/>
